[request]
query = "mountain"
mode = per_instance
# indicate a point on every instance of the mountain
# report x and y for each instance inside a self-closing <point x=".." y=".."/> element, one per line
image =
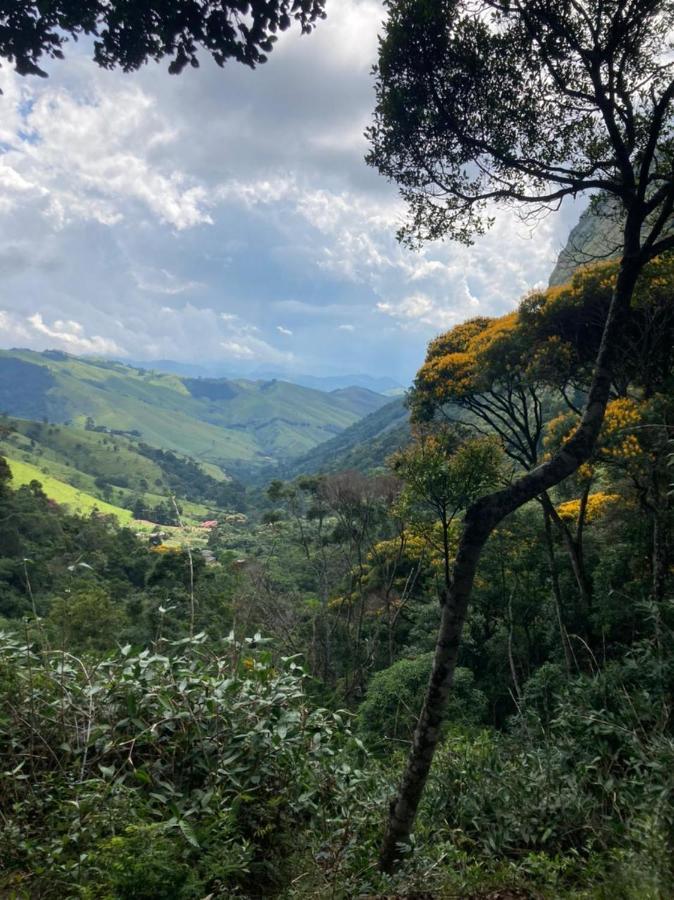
<point x="235" y="424"/>
<point x="378" y="384"/>
<point x="596" y="236"/>
<point x="364" y="446"/>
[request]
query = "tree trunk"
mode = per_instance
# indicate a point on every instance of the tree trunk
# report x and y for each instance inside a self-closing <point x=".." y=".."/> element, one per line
<point x="480" y="520"/>
<point x="574" y="548"/>
<point x="556" y="590"/>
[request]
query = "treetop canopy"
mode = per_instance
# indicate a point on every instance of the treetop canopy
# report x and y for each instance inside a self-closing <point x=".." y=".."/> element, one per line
<point x="521" y="101"/>
<point x="552" y="339"/>
<point x="128" y="33"/>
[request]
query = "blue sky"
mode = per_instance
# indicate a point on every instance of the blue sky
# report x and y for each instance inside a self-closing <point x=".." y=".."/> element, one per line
<point x="227" y="218"/>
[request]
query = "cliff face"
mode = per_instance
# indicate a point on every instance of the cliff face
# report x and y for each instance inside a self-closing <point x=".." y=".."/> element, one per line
<point x="595" y="237"/>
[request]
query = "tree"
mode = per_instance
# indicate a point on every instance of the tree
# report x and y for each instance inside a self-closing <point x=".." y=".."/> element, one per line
<point x="522" y="103"/>
<point x="444" y="474"/>
<point x="128" y="33"/>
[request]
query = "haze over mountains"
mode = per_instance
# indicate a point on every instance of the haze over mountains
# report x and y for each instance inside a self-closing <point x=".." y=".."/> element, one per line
<point x="382" y="384"/>
<point x="247" y="427"/>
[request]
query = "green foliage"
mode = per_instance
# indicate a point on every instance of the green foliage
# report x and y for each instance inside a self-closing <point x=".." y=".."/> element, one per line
<point x="199" y="767"/>
<point x="200" y="764"/>
<point x="446" y="471"/>
<point x="394" y="696"/>
<point x="591" y="775"/>
<point x="85" y="619"/>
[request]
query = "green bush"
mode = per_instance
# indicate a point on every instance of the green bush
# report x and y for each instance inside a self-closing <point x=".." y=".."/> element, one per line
<point x="394" y="697"/>
<point x="587" y="768"/>
<point x="114" y="773"/>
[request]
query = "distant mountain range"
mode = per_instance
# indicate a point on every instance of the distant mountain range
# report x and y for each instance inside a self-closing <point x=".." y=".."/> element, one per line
<point x="234" y="423"/>
<point x="249" y="427"/>
<point x="379" y="384"/>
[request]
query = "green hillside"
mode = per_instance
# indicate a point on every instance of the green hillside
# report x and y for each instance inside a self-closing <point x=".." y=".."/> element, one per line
<point x="364" y="446"/>
<point x="65" y="494"/>
<point x="115" y="470"/>
<point x="233" y="424"/>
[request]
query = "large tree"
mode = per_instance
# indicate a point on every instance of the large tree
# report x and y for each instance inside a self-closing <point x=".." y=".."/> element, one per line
<point x="128" y="33"/>
<point x="522" y="103"/>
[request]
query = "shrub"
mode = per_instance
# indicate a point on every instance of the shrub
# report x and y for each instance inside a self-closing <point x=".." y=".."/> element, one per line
<point x="394" y="696"/>
<point x="201" y="763"/>
<point x="586" y="768"/>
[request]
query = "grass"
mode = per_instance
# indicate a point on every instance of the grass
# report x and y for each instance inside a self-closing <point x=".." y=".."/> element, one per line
<point x="63" y="493"/>
<point x="78" y="457"/>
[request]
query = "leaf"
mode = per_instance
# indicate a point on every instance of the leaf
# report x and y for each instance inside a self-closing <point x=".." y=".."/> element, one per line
<point x="188" y="833"/>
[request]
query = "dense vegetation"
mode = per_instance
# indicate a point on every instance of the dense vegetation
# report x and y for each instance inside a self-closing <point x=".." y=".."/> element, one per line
<point x="365" y="445"/>
<point x="154" y="743"/>
<point x="495" y="603"/>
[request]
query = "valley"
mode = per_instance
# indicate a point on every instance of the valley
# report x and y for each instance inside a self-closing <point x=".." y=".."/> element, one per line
<point x="272" y="630"/>
<point x="237" y="425"/>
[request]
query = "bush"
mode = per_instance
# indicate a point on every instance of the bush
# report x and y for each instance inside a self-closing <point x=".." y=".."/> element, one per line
<point x="586" y="768"/>
<point x="394" y="697"/>
<point x="207" y="765"/>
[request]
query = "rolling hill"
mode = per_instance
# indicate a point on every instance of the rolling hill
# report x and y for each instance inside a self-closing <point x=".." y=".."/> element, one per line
<point x="234" y="424"/>
<point x="83" y="469"/>
<point x="64" y="493"/>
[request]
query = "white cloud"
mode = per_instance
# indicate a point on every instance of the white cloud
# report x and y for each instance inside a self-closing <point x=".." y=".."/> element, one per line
<point x="61" y="335"/>
<point x="71" y="336"/>
<point x="183" y="217"/>
<point x="419" y="310"/>
<point x="161" y="281"/>
<point x="238" y="350"/>
<point x="89" y="156"/>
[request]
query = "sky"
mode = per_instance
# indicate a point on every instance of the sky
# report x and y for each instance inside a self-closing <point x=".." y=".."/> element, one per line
<point x="226" y="217"/>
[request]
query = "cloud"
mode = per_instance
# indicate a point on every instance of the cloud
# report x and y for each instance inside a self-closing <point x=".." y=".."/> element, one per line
<point x="90" y="155"/>
<point x="182" y="217"/>
<point x="160" y="281"/>
<point x="61" y="335"/>
<point x="419" y="309"/>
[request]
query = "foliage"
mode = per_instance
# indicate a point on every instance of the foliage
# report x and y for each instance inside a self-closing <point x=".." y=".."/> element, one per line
<point x="447" y="473"/>
<point x="128" y="35"/>
<point x="555" y="771"/>
<point x="392" y="703"/>
<point x="586" y="767"/>
<point x="162" y="773"/>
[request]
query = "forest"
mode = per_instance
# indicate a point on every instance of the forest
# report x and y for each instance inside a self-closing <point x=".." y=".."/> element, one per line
<point x="433" y="655"/>
<point x="219" y="708"/>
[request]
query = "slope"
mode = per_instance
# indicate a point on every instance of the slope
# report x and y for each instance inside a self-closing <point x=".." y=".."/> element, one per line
<point x="229" y="423"/>
<point x="117" y="469"/>
<point x="63" y="493"/>
<point x="364" y="446"/>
